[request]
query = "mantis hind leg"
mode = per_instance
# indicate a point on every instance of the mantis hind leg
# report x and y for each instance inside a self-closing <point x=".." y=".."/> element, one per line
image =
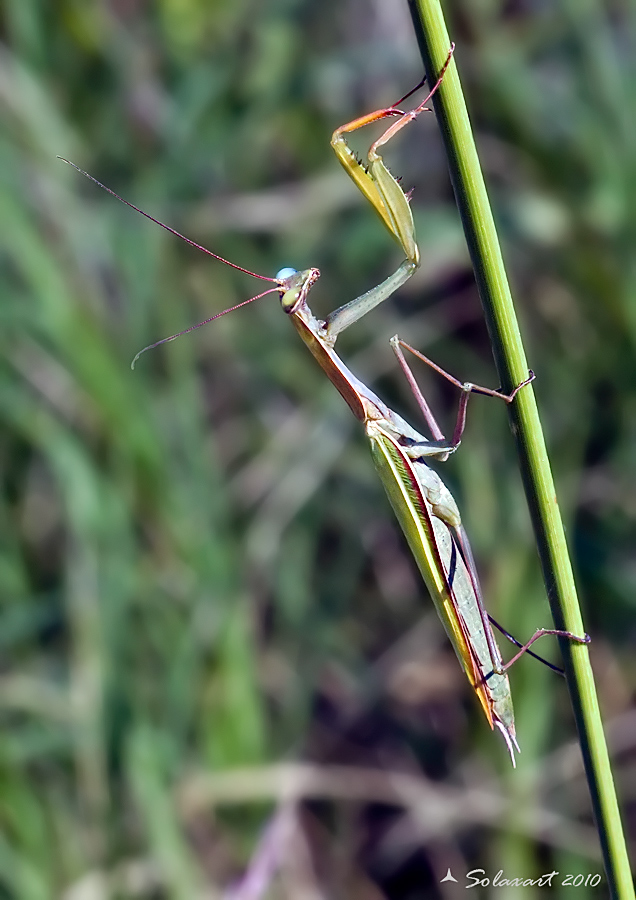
<point x="513" y="640"/>
<point x="539" y="633"/>
<point x="524" y="648"/>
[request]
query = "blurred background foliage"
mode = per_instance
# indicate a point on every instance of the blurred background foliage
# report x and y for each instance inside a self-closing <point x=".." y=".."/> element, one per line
<point x="208" y="618"/>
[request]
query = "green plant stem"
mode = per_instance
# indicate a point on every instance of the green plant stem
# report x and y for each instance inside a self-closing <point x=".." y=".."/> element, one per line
<point x="494" y="290"/>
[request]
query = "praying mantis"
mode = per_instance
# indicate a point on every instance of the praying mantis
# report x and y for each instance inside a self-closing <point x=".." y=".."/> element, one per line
<point x="424" y="507"/>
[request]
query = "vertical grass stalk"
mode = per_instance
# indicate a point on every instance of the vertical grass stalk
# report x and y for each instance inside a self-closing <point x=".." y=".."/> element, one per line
<point x="494" y="290"/>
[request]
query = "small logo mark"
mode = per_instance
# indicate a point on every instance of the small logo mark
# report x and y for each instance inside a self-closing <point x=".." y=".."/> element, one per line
<point x="448" y="877"/>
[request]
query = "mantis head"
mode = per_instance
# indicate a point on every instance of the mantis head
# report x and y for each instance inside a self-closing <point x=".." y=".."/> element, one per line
<point x="294" y="286"/>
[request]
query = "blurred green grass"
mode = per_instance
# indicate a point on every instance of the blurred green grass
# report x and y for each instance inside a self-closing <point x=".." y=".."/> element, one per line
<point x="198" y="570"/>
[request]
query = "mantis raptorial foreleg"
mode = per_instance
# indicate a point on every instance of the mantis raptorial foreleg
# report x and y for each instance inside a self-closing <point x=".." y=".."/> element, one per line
<point x="388" y="199"/>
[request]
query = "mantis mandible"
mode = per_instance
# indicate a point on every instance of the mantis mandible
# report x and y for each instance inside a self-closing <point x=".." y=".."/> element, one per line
<point x="422" y="503"/>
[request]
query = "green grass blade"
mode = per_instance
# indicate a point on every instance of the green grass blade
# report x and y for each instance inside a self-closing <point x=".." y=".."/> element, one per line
<point x="512" y="366"/>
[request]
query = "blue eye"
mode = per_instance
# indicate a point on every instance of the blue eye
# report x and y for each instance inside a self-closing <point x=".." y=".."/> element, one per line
<point x="285" y="273"/>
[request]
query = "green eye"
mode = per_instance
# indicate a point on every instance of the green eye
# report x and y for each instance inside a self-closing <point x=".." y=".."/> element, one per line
<point x="289" y="299"/>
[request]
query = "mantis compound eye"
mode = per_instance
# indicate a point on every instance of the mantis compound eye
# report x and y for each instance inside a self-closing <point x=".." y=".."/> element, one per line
<point x="286" y="273"/>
